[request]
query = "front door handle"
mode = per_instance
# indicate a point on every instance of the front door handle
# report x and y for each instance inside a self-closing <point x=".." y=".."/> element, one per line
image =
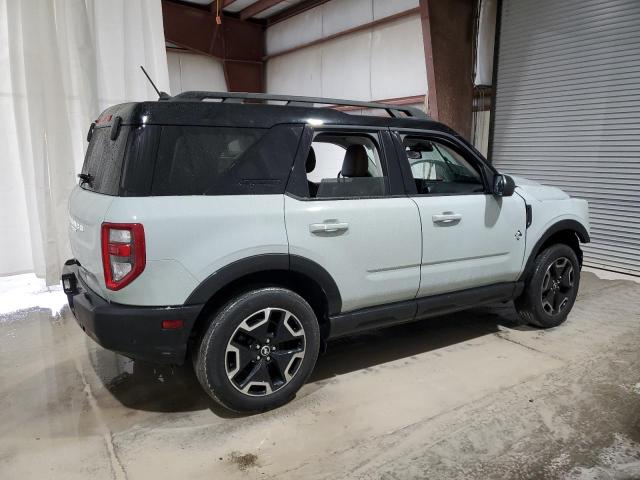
<point x="446" y="217"/>
<point x="328" y="227"/>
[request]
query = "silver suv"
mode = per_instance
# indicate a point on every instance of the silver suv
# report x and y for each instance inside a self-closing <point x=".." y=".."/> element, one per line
<point x="245" y="230"/>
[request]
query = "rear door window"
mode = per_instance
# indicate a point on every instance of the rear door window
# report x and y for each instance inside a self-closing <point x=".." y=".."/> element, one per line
<point x="345" y="165"/>
<point x="103" y="161"/>
<point x="223" y="160"/>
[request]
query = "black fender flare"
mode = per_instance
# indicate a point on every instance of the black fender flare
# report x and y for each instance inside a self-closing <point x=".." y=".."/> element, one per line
<point x="265" y="263"/>
<point x="563" y="225"/>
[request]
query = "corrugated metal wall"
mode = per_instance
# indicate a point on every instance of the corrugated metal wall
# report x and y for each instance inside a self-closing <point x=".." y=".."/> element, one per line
<point x="567" y="112"/>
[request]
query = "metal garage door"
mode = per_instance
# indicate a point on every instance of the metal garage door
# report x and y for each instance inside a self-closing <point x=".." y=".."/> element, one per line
<point x="567" y="112"/>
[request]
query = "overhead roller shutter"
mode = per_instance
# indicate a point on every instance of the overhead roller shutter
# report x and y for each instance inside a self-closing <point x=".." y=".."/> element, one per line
<point x="567" y="112"/>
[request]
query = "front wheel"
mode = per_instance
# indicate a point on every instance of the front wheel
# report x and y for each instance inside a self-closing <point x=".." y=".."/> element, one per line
<point x="551" y="290"/>
<point x="259" y="350"/>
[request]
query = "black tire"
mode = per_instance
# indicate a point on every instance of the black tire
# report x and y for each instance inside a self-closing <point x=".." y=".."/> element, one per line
<point x="237" y="339"/>
<point x="552" y="287"/>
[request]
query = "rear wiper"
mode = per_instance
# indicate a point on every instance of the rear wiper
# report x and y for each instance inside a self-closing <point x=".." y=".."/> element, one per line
<point x="86" y="178"/>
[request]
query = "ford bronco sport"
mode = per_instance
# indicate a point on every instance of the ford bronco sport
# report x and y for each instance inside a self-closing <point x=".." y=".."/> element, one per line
<point x="243" y="231"/>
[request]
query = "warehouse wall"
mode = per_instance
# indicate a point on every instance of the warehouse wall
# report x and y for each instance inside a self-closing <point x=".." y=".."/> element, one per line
<point x="383" y="62"/>
<point x="191" y="71"/>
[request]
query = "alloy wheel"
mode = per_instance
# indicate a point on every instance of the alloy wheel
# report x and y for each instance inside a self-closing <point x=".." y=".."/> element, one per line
<point x="265" y="351"/>
<point x="557" y="286"/>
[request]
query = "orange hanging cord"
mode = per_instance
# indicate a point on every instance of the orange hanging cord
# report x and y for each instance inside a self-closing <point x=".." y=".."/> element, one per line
<point x="218" y="19"/>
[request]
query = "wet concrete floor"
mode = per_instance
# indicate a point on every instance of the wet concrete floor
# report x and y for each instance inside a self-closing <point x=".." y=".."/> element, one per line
<point x="470" y="395"/>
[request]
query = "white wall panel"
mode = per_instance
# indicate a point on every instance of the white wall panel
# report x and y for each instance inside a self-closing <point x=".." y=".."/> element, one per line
<point x="338" y="16"/>
<point x="346" y="67"/>
<point x="303" y="28"/>
<point x="190" y="71"/>
<point x="397" y="60"/>
<point x="328" y="19"/>
<point x="298" y="73"/>
<point x="173" y="64"/>
<point x="375" y="64"/>
<point x="386" y="8"/>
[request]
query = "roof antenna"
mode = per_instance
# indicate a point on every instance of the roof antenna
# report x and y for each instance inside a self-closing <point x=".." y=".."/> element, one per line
<point x="161" y="95"/>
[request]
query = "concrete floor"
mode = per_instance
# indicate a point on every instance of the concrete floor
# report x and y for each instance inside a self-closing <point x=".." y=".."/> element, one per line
<point x="470" y="395"/>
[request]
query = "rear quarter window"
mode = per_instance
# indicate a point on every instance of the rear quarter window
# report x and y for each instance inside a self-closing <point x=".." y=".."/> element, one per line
<point x="103" y="161"/>
<point x="223" y="160"/>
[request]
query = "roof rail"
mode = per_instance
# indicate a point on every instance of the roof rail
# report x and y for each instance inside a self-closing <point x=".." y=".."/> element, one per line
<point x="239" y="97"/>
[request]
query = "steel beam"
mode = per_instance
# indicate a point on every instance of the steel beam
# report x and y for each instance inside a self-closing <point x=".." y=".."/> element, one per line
<point x="447" y="35"/>
<point x="432" y="97"/>
<point x="244" y="76"/>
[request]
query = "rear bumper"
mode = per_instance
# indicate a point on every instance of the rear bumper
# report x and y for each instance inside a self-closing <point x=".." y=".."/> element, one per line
<point x="132" y="331"/>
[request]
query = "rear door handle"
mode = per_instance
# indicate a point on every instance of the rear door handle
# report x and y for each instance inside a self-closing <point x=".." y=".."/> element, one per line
<point x="446" y="217"/>
<point x="332" y="227"/>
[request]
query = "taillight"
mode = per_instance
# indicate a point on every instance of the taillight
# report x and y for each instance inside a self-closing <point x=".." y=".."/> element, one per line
<point x="123" y="253"/>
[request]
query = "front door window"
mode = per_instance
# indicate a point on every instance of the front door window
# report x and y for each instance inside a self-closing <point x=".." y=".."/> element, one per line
<point x="438" y="169"/>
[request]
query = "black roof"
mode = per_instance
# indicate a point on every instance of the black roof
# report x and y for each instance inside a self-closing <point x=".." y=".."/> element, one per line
<point x="236" y="109"/>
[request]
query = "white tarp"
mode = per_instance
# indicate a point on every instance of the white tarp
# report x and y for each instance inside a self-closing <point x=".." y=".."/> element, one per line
<point x="61" y="63"/>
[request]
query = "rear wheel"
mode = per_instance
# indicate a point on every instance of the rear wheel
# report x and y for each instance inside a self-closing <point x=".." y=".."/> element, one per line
<point x="551" y="290"/>
<point x="259" y="350"/>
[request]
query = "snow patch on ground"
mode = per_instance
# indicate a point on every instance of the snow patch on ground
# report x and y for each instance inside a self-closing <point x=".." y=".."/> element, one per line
<point x="21" y="292"/>
<point x="558" y="464"/>
<point x="621" y="460"/>
<point x="631" y="388"/>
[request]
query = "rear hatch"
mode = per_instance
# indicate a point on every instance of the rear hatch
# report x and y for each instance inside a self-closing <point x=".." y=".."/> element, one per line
<point x="91" y="199"/>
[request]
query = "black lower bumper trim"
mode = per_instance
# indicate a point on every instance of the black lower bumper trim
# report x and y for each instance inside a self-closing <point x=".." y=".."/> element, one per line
<point x="133" y="331"/>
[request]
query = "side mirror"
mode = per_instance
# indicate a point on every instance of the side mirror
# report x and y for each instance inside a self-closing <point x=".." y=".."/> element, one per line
<point x="503" y="185"/>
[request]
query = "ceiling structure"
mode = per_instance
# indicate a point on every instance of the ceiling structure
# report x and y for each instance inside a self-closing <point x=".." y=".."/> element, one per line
<point x="238" y="40"/>
<point x="264" y="11"/>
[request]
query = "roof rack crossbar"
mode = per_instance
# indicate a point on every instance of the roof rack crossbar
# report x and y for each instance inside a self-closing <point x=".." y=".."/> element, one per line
<point x="238" y="97"/>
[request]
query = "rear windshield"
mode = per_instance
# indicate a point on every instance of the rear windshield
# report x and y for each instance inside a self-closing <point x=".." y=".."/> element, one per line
<point x="103" y="161"/>
<point x="191" y="160"/>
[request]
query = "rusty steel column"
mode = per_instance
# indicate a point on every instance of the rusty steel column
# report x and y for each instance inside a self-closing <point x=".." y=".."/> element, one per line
<point x="447" y="30"/>
<point x="239" y="44"/>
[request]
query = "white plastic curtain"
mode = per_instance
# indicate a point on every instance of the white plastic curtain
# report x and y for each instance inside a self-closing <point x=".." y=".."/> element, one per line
<point x="61" y="63"/>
